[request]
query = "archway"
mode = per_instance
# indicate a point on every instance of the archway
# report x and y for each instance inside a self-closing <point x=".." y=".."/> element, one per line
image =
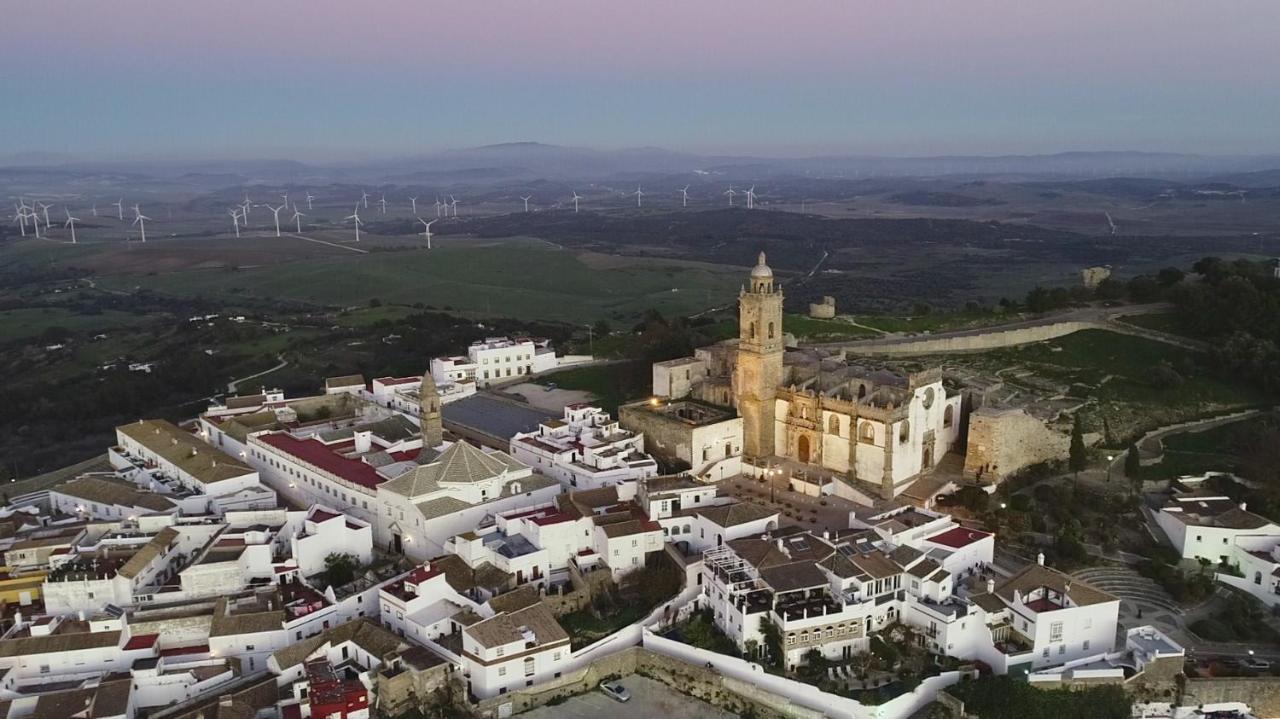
<point x="802" y="448"/>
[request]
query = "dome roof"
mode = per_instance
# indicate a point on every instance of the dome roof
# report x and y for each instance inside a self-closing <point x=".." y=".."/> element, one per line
<point x="761" y="269"/>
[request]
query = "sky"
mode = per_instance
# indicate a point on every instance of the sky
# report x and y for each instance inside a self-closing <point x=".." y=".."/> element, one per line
<point x="323" y="79"/>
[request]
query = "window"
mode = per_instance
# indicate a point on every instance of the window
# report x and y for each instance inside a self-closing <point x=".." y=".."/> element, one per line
<point x="502" y="671"/>
<point x="500" y="651"/>
<point x="770" y="330"/>
<point x="867" y="433"/>
<point x="833" y="426"/>
<point x="1055" y="632"/>
<point x="528" y="666"/>
<point x="1085" y="646"/>
<point x="904" y="431"/>
<point x="948" y="416"/>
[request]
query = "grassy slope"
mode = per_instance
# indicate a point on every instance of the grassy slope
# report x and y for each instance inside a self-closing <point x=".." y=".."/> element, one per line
<point x="522" y="281"/>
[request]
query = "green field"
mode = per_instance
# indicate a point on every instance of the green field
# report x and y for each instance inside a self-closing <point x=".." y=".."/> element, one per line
<point x="808" y="328"/>
<point x="28" y="323"/>
<point x="1161" y="322"/>
<point x="934" y="321"/>
<point x="1113" y="373"/>
<point x="520" y="280"/>
<point x="612" y="384"/>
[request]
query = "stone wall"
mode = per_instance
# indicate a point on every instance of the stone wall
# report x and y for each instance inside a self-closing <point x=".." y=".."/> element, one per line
<point x="728" y="694"/>
<point x="824" y="310"/>
<point x="1003" y="441"/>
<point x="398" y="692"/>
<point x="1262" y="694"/>
<point x="974" y="341"/>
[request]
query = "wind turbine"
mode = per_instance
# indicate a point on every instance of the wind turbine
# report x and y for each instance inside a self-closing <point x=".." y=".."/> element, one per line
<point x="412" y="200"/>
<point x="246" y="205"/>
<point x="383" y="202"/>
<point x="730" y="192"/>
<point x="95" y="209"/>
<point x="297" y="219"/>
<point x="141" y="222"/>
<point x="684" y="196"/>
<point x="276" y="211"/>
<point x="638" y="193"/>
<point x="71" y="222"/>
<point x="310" y="197"/>
<point x="235" y="220"/>
<point x="454" y="201"/>
<point x="437" y="206"/>
<point x="355" y="215"/>
<point x="364" y="197"/>
<point x="526" y="202"/>
<point x="21" y="219"/>
<point x="426" y="230"/>
<point x="576" y="197"/>
<point x="119" y="209"/>
<point x="285" y="197"/>
<point x="751" y="198"/>
<point x="45" y="208"/>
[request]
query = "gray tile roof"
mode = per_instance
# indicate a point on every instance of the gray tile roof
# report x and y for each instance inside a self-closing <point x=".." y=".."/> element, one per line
<point x="461" y="463"/>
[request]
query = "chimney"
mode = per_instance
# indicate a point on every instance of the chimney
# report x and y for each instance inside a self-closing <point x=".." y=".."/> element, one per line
<point x="826" y="534"/>
<point x="1040" y="559"/>
<point x="1244" y="506"/>
<point x="991" y="586"/>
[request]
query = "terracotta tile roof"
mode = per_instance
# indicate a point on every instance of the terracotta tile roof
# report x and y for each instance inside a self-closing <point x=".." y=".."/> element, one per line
<point x="204" y="462"/>
<point x="160" y="543"/>
<point x="506" y="628"/>
<point x="1035" y="576"/>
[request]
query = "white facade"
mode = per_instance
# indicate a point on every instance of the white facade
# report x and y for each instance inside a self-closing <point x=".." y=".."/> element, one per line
<point x="495" y="359"/>
<point x="327" y="531"/>
<point x="585" y="450"/>
<point x="1205" y="526"/>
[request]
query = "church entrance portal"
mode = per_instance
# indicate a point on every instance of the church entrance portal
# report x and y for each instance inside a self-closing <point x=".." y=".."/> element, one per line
<point x="802" y="449"/>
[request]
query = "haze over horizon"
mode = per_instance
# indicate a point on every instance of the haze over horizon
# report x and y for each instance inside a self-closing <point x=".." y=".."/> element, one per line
<point x="314" y="81"/>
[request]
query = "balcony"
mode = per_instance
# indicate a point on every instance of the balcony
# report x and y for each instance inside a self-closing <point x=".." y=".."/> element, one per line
<point x="808" y="609"/>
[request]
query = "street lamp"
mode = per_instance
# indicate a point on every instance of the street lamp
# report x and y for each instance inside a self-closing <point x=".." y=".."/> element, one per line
<point x="1110" y="458"/>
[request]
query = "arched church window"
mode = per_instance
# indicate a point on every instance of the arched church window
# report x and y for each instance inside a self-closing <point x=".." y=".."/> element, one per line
<point x="751" y="330"/>
<point x="867" y="432"/>
<point x="833" y="425"/>
<point x="770" y="330"/>
<point x="904" y="431"/>
<point x="948" y="416"/>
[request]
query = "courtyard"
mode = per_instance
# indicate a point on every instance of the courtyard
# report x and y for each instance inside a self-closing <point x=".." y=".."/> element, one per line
<point x="648" y="699"/>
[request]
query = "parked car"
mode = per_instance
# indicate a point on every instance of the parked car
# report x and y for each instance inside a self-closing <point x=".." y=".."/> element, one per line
<point x="616" y="690"/>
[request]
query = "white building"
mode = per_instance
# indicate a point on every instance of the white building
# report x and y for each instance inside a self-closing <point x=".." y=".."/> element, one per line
<point x="423" y="507"/>
<point x="585" y="450"/>
<point x="495" y="359"/>
<point x="514" y="650"/>
<point x="327" y="531"/>
<point x="163" y="458"/>
<point x="401" y="393"/>
<point x="1206" y="526"/>
<point x="695" y="519"/>
<point x="1056" y="619"/>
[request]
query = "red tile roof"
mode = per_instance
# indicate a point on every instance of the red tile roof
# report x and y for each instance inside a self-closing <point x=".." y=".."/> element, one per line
<point x="141" y="641"/>
<point x="958" y="537"/>
<point x="315" y="453"/>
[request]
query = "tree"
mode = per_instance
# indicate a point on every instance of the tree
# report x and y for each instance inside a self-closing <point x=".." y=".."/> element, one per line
<point x="772" y="642"/>
<point x="1079" y="457"/>
<point x="340" y="568"/>
<point x="1132" y="461"/>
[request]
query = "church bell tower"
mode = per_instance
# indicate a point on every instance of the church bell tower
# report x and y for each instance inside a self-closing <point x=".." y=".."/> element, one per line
<point x="759" y="367"/>
<point x="431" y="426"/>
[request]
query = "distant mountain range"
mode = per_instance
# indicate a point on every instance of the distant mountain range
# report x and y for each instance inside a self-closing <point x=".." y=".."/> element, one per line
<point x="525" y="160"/>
